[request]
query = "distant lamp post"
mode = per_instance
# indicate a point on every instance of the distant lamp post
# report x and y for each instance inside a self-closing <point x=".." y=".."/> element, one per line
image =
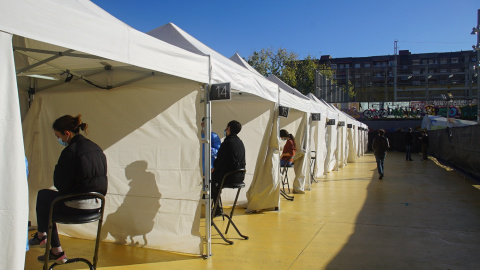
<point x="476" y="31"/>
<point x="448" y="97"/>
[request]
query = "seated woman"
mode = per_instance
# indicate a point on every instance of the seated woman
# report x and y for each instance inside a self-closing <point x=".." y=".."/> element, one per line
<point x="289" y="149"/>
<point x="81" y="167"/>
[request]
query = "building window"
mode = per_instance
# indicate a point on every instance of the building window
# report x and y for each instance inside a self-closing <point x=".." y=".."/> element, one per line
<point x="443" y="70"/>
<point x="416" y="71"/>
<point x="367" y="65"/>
<point x="416" y="83"/>
<point x="341" y="66"/>
<point x="357" y="65"/>
<point x="347" y="65"/>
<point x="454" y="60"/>
<point x="443" y="61"/>
<point x="416" y="62"/>
<point x="366" y="74"/>
<point x="454" y="70"/>
<point x="357" y="76"/>
<point x="333" y="66"/>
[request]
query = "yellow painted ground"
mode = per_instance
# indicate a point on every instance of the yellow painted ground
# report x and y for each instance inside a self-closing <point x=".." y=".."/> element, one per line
<point x="420" y="216"/>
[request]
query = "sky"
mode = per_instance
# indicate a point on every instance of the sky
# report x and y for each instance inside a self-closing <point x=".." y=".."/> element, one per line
<point x="338" y="28"/>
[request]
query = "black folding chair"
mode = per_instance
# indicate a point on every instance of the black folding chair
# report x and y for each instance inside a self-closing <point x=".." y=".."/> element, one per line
<point x="218" y="203"/>
<point x="75" y="219"/>
<point x="313" y="166"/>
<point x="284" y="179"/>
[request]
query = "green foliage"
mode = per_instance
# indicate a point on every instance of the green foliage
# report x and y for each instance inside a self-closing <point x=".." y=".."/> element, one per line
<point x="299" y="74"/>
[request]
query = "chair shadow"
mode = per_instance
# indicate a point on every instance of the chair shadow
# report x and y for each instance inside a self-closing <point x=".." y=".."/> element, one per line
<point x="135" y="216"/>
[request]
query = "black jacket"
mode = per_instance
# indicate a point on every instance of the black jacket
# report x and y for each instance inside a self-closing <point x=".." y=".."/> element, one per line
<point x="81" y="167"/>
<point x="230" y="157"/>
<point x="408" y="138"/>
<point x="380" y="145"/>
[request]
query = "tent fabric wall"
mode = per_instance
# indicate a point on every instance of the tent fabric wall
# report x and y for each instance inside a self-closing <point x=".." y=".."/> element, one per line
<point x="264" y="191"/>
<point x="13" y="187"/>
<point x="153" y="155"/>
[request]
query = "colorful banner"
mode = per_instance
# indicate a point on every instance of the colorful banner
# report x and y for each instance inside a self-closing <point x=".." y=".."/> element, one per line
<point x="458" y="109"/>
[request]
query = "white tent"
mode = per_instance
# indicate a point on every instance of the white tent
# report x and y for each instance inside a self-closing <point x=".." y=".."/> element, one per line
<point x="297" y="123"/>
<point x="251" y="91"/>
<point x="432" y="122"/>
<point x="331" y="137"/>
<point x="319" y="129"/>
<point x="86" y="44"/>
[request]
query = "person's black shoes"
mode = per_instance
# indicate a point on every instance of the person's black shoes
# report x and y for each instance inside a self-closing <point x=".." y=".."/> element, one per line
<point x="381" y="176"/>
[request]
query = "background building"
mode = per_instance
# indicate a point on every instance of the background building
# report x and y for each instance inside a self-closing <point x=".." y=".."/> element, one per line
<point x="425" y="76"/>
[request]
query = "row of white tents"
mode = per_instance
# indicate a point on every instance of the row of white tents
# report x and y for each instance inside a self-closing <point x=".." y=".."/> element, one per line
<point x="143" y="97"/>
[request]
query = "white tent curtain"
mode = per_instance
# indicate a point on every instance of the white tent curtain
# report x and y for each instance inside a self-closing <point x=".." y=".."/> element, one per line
<point x="264" y="191"/>
<point x="301" y="160"/>
<point x="13" y="186"/>
<point x="318" y="134"/>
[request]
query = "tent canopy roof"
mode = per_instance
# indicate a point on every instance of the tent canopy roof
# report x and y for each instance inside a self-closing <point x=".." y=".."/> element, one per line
<point x="97" y="33"/>
<point x="222" y="68"/>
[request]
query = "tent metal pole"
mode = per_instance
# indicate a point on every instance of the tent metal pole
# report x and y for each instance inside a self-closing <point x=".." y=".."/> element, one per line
<point x="208" y="165"/>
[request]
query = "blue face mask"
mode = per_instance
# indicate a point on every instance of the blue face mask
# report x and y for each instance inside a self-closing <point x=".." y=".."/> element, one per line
<point x="62" y="142"/>
<point x="225" y="133"/>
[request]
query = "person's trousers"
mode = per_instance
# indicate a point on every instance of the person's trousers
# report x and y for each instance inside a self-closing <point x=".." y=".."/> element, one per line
<point x="380" y="163"/>
<point x="408" y="151"/>
<point x="424" y="151"/>
<point x="45" y="197"/>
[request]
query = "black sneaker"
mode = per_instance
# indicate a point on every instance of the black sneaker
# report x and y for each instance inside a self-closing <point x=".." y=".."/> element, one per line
<point x="37" y="242"/>
<point x="59" y="259"/>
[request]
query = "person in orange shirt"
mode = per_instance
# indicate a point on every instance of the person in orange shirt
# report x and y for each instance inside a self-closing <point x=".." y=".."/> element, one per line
<point x="289" y="149"/>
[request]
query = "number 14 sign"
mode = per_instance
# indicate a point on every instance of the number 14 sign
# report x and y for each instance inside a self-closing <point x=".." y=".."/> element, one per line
<point x="220" y="91"/>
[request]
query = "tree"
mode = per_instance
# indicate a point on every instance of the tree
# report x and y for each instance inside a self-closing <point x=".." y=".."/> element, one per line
<point x="305" y="75"/>
<point x="278" y="63"/>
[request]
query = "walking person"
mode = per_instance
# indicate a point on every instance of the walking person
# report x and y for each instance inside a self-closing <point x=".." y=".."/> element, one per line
<point x="424" y="140"/>
<point x="408" y="145"/>
<point x="380" y="146"/>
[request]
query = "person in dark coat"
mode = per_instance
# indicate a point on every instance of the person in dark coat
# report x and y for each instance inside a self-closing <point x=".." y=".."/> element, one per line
<point x="408" y="145"/>
<point x="380" y="146"/>
<point x="230" y="157"/>
<point x="81" y="167"/>
<point x="424" y="140"/>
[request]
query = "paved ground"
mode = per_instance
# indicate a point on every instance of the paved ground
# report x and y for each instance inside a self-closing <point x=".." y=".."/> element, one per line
<point x="420" y="216"/>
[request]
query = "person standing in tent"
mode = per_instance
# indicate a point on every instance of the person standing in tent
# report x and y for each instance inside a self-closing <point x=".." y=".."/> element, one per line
<point x="289" y="149"/>
<point x="214" y="146"/>
<point x="231" y="157"/>
<point x="380" y="146"/>
<point x="81" y="167"/>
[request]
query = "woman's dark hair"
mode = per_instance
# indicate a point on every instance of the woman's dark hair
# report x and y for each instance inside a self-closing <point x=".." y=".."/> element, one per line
<point x="285" y="134"/>
<point x="235" y="126"/>
<point x="70" y="123"/>
<point x="381" y="132"/>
